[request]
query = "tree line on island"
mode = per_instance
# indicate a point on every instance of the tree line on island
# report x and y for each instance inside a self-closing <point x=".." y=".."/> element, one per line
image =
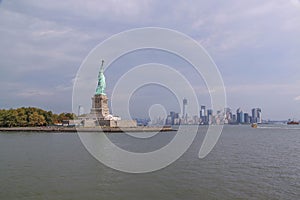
<point x="31" y="116"/>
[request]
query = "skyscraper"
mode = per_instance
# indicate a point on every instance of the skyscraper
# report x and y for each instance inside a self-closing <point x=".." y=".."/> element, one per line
<point x="239" y="116"/>
<point x="234" y="120"/>
<point x="184" y="104"/>
<point x="203" y="115"/>
<point x="256" y="115"/>
<point x="246" y="118"/>
<point x="173" y="118"/>
<point x="228" y="115"/>
<point x="259" y="116"/>
<point x="209" y="116"/>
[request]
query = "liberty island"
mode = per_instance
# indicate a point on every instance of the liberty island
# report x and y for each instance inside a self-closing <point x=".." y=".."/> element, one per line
<point x="99" y="118"/>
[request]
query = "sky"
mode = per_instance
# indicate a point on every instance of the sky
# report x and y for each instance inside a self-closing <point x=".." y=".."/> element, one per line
<point x="255" y="45"/>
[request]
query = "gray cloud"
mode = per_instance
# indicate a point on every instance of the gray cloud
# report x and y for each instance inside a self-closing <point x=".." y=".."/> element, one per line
<point x="254" y="43"/>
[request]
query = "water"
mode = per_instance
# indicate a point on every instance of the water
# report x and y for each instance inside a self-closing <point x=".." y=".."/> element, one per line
<point x="247" y="163"/>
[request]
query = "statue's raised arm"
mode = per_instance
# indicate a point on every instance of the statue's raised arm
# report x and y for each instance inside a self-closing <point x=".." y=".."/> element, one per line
<point x="102" y="66"/>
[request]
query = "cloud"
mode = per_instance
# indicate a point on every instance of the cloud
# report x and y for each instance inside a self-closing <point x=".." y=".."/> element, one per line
<point x="254" y="43"/>
<point x="282" y="89"/>
<point x="72" y="11"/>
<point x="34" y="93"/>
<point x="297" y="98"/>
<point x="295" y="3"/>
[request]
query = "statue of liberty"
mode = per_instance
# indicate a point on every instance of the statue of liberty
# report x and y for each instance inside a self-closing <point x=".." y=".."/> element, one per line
<point x="101" y="81"/>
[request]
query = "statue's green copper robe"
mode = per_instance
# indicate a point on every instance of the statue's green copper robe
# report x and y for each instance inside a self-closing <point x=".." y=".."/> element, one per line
<point x="101" y="81"/>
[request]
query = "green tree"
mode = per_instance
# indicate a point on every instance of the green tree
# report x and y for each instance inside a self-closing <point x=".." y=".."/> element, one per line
<point x="48" y="117"/>
<point x="2" y="114"/>
<point x="55" y="118"/>
<point x="31" y="116"/>
<point x="10" y="118"/>
<point x="65" y="116"/>
<point x="35" y="119"/>
<point x="21" y="117"/>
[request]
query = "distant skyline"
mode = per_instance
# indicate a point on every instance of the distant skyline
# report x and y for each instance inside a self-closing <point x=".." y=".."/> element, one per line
<point x="255" y="45"/>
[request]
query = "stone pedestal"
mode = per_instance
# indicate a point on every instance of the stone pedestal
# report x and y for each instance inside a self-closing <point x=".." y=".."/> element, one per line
<point x="100" y="106"/>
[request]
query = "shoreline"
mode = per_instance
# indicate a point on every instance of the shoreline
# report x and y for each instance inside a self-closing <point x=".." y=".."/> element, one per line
<point x="89" y="129"/>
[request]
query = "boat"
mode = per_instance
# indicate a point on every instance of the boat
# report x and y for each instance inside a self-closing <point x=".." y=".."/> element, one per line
<point x="254" y="125"/>
<point x="292" y="123"/>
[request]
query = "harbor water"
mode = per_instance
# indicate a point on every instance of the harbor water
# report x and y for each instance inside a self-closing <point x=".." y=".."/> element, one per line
<point x="246" y="163"/>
